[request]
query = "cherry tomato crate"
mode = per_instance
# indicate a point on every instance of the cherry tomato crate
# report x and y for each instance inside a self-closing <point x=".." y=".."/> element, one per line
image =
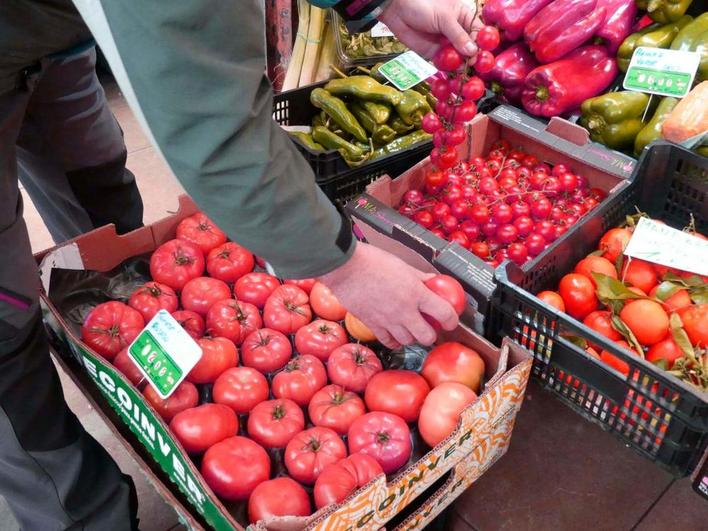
<point x="659" y="415"/>
<point x="337" y="180"/>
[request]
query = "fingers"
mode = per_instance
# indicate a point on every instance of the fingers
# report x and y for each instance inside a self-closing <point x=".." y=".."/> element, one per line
<point x="468" y="15"/>
<point x="421" y="330"/>
<point x="457" y="35"/>
<point x="439" y="309"/>
<point x="401" y="335"/>
<point x="385" y="338"/>
<point x="425" y="44"/>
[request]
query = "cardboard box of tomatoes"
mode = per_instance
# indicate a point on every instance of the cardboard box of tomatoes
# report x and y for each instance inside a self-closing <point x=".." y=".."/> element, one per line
<point x="432" y="476"/>
<point x="521" y="187"/>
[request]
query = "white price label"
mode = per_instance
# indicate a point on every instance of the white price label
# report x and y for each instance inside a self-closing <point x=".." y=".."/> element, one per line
<point x="407" y="70"/>
<point x="660" y="244"/>
<point x="381" y="30"/>
<point x="662" y="72"/>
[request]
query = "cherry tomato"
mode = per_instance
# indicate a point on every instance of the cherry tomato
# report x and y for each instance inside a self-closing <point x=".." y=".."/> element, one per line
<point x="200" y="230"/>
<point x="110" y="327"/>
<point x="325" y="304"/>
<point x="352" y="366"/>
<point x="383" y="436"/>
<point x="464" y="113"/>
<point x="435" y="178"/>
<point x="300" y="379"/>
<point x="454" y="362"/>
<point x="431" y="123"/>
<point x="338" y="481"/>
<point x="192" y="322"/>
<point x="320" y="338"/>
<point x="128" y="368"/>
<point x="336" y="408"/>
<point x="255" y="288"/>
<point x="447" y="59"/>
<point x="184" y="397"/>
<point x="287" y="309"/>
<point x="234" y="467"/>
<point x="278" y="497"/>
<point x="311" y="451"/>
<point x="518" y="253"/>
<point x="229" y="262"/>
<point x="484" y="62"/>
<point x="203" y="426"/>
<point x="595" y="264"/>
<point x="218" y="354"/>
<point x="473" y="89"/>
<point x="233" y="320"/>
<point x="578" y="295"/>
<point x="266" y="350"/>
<point x="199" y="294"/>
<point x="646" y="319"/>
<point x="488" y="38"/>
<point x="152" y="297"/>
<point x="240" y="388"/>
<point x="273" y="423"/>
<point x="397" y="391"/>
<point x="441" y="411"/>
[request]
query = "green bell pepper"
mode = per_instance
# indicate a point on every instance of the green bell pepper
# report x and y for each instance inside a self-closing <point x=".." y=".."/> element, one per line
<point x="653" y="36"/>
<point x="664" y="10"/>
<point x="652" y="131"/>
<point x="614" y="119"/>
<point x="694" y="38"/>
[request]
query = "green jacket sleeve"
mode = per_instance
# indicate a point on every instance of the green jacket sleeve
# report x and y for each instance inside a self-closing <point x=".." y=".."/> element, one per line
<point x="197" y="72"/>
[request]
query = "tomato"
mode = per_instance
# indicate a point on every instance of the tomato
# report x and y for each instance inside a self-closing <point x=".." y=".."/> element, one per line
<point x="200" y="230"/>
<point x="680" y="299"/>
<point x="203" y="426"/>
<point x="449" y="289"/>
<point x="110" y="327"/>
<point x="152" y="297"/>
<point x="274" y="422"/>
<point x="176" y="262"/>
<point x="578" y="295"/>
<point x="646" y="319"/>
<point x="397" y="391"/>
<point x="184" y="397"/>
<point x="383" y="436"/>
<point x="695" y="323"/>
<point x="484" y="62"/>
<point x="234" y="467"/>
<point x="640" y="274"/>
<point x="300" y="379"/>
<point x="447" y="59"/>
<point x="595" y="264"/>
<point x="287" y="309"/>
<point x="339" y="480"/>
<point x="336" y="408"/>
<point x="255" y="288"/>
<point x="613" y="361"/>
<point x="666" y="350"/>
<point x="325" y="304"/>
<point x="613" y="243"/>
<point x="240" y="388"/>
<point x="311" y="451"/>
<point x="229" y="262"/>
<point x="200" y="294"/>
<point x="130" y="370"/>
<point x="320" y="338"/>
<point x="278" y="497"/>
<point x="601" y="322"/>
<point x="357" y="329"/>
<point x="266" y="350"/>
<point x="441" y="411"/>
<point x="192" y="322"/>
<point x="305" y="284"/>
<point x="352" y="366"/>
<point x="233" y="320"/>
<point x="454" y="362"/>
<point x="218" y="354"/>
<point x="552" y="298"/>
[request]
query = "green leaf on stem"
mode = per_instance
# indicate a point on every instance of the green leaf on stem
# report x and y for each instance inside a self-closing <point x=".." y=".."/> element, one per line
<point x="618" y="324"/>
<point x="681" y="337"/>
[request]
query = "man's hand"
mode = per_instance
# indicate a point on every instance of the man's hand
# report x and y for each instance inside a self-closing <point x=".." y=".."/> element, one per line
<point x="419" y="24"/>
<point x="388" y="296"/>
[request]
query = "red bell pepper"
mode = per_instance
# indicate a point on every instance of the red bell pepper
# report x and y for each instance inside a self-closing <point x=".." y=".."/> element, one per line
<point x="559" y="87"/>
<point x="511" y="67"/>
<point x="510" y="16"/>
<point x="619" y="19"/>
<point x="561" y="27"/>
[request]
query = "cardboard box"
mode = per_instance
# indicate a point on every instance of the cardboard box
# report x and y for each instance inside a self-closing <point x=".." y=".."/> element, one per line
<point x="484" y="430"/>
<point x="559" y="141"/>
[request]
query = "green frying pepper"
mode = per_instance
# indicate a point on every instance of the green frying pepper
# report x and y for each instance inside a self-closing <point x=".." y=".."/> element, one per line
<point x="337" y="110"/>
<point x="652" y="131"/>
<point x="614" y="119"/>
<point x="328" y="139"/>
<point x="664" y="11"/>
<point x="378" y="111"/>
<point x="694" y="37"/>
<point x="306" y="140"/>
<point x="364" y="88"/>
<point x="412" y="103"/>
<point x="378" y="76"/>
<point x="380" y="134"/>
<point x="398" y="125"/>
<point x="401" y="143"/>
<point x="652" y="36"/>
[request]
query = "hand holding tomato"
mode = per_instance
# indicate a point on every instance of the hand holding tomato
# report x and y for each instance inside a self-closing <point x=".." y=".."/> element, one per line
<point x="311" y="451"/>
<point x="325" y="304"/>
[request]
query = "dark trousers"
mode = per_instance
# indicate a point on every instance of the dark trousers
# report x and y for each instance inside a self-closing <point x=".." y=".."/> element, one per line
<point x="59" y="137"/>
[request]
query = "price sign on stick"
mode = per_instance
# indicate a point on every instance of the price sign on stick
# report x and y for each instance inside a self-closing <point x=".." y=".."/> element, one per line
<point x="661" y="72"/>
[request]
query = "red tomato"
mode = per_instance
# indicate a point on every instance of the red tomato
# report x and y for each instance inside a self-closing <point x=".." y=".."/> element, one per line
<point x="695" y="322"/>
<point x="301" y="378"/>
<point x="336" y="408"/>
<point x="240" y="388"/>
<point x="203" y="426"/>
<point x="229" y="262"/>
<point x="234" y="467"/>
<point x="110" y="327"/>
<point x="640" y="274"/>
<point x="274" y="422"/>
<point x="192" y="322"/>
<point x="613" y="361"/>
<point x="255" y="288"/>
<point x="383" y="436"/>
<point x="218" y="354"/>
<point x="449" y="289"/>
<point x="278" y="497"/>
<point x="311" y="451"/>
<point x="339" y="480"/>
<point x="325" y="304"/>
<point x="399" y="392"/>
<point x="578" y="295"/>
<point x="152" y="297"/>
<point x="601" y="322"/>
<point x="454" y="362"/>
<point x="266" y="350"/>
<point x="184" y="397"/>
<point x="613" y="243"/>
<point x="595" y="264"/>
<point x="666" y="350"/>
<point x="130" y="370"/>
<point x="320" y="338"/>
<point x="441" y="411"/>
<point x="200" y="230"/>
<point x="352" y="366"/>
<point x="287" y="309"/>
<point x="553" y="299"/>
<point x="305" y="284"/>
<point x="233" y="320"/>
<point x="176" y="262"/>
<point x="200" y="294"/>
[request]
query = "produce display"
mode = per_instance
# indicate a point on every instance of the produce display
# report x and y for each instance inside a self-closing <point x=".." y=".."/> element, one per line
<point x="652" y="311"/>
<point x="288" y="383"/>
<point x="362" y="46"/>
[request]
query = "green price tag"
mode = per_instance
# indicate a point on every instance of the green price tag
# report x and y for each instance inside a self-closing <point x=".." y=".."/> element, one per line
<point x="661" y="72"/>
<point x="407" y="70"/>
<point x="164" y="353"/>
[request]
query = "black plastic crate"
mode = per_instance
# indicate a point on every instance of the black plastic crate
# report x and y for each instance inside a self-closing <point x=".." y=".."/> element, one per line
<point x="657" y="414"/>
